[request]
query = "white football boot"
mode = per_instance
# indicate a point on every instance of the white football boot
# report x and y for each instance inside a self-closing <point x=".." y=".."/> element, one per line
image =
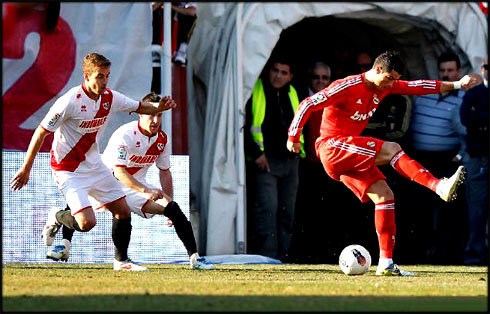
<point x="128" y="265"/>
<point x="446" y="188"/>
<point x="60" y="252"/>
<point x="197" y="263"/>
<point x="52" y="226"/>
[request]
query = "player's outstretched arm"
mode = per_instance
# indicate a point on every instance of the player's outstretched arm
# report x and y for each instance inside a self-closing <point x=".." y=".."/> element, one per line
<point x="22" y="176"/>
<point x="166" y="103"/>
<point x="466" y="82"/>
<point x="128" y="180"/>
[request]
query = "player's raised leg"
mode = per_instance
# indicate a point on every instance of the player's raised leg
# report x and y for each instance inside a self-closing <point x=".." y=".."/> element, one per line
<point x="62" y="251"/>
<point x="446" y="187"/>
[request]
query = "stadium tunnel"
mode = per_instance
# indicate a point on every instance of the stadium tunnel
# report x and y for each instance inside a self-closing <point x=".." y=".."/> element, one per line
<point x="233" y="42"/>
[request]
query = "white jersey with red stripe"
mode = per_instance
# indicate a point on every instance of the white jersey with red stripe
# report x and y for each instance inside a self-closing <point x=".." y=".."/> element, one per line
<point x="128" y="147"/>
<point x="77" y="122"/>
<point x="349" y="103"/>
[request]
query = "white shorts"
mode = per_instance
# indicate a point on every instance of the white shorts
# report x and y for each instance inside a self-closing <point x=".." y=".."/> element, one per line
<point x="99" y="184"/>
<point x="136" y="201"/>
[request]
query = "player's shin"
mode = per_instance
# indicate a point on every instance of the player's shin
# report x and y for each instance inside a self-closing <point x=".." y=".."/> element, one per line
<point x="384" y="218"/>
<point x="412" y="170"/>
<point x="183" y="227"/>
<point x="121" y="235"/>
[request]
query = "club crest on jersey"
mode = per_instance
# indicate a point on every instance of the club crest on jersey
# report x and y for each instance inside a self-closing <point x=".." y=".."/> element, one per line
<point x="54" y="119"/>
<point x="106" y="105"/>
<point x="318" y="98"/>
<point x="375" y="99"/>
<point x="371" y="144"/>
<point x="122" y="152"/>
<point x="160" y="146"/>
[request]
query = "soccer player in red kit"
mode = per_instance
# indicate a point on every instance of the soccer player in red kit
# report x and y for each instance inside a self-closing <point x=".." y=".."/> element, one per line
<point x="348" y="104"/>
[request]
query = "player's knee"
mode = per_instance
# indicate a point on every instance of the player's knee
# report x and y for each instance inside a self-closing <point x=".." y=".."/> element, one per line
<point x="123" y="214"/>
<point x="86" y="224"/>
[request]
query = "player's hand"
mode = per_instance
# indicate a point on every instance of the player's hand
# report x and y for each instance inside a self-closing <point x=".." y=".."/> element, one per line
<point x="20" y="179"/>
<point x="470" y="80"/>
<point x="166" y="103"/>
<point x="170" y="223"/>
<point x="293" y="147"/>
<point x="154" y="194"/>
<point x="262" y="163"/>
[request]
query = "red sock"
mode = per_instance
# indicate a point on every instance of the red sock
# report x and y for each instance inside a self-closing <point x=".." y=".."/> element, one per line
<point x="384" y="221"/>
<point x="414" y="171"/>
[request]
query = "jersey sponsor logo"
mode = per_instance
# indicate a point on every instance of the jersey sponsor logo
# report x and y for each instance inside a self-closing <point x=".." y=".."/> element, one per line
<point x="160" y="146"/>
<point x="361" y="117"/>
<point x="92" y="125"/>
<point x="122" y="152"/>
<point x="318" y="98"/>
<point x="106" y="105"/>
<point x="54" y="119"/>
<point x="375" y="99"/>
<point x="148" y="159"/>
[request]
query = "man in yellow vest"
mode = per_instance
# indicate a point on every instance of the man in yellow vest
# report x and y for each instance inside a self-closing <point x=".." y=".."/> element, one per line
<point x="272" y="171"/>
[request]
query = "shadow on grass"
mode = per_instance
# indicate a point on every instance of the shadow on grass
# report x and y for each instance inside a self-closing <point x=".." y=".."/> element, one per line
<point x="173" y="302"/>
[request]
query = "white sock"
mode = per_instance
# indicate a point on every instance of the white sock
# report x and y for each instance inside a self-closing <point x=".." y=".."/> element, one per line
<point x="66" y="243"/>
<point x="384" y="262"/>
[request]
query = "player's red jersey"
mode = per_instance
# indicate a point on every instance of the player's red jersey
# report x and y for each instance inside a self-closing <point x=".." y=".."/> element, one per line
<point x="349" y="103"/>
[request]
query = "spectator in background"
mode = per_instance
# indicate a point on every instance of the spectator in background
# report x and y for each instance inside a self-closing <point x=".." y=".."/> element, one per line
<point x="274" y="169"/>
<point x="186" y="15"/>
<point x="474" y="115"/>
<point x="313" y="181"/>
<point x="436" y="143"/>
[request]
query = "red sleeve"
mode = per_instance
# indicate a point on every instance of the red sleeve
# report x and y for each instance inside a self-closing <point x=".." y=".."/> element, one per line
<point x="315" y="102"/>
<point x="419" y="87"/>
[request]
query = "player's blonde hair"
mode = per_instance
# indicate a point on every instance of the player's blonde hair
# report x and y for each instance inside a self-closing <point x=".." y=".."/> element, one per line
<point x="94" y="60"/>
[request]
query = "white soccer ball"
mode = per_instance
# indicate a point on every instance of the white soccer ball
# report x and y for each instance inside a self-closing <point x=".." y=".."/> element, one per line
<point x="354" y="260"/>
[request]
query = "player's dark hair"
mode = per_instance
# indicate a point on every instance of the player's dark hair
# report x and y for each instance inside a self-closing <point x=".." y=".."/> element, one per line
<point x="389" y="61"/>
<point x="94" y="60"/>
<point x="447" y="57"/>
<point x="151" y="97"/>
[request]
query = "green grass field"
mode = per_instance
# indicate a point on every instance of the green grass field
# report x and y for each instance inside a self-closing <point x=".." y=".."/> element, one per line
<point x="288" y="287"/>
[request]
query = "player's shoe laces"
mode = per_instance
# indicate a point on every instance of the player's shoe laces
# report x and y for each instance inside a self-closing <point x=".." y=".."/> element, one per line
<point x="128" y="265"/>
<point x="446" y="188"/>
<point x="393" y="270"/>
<point x="198" y="263"/>
<point x="52" y="226"/>
<point x="60" y="252"/>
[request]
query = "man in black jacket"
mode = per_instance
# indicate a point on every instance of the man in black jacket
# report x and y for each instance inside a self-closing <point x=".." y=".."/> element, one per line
<point x="272" y="171"/>
<point x="474" y="115"/>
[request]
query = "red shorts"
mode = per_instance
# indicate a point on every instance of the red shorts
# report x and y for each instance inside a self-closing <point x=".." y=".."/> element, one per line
<point x="352" y="160"/>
